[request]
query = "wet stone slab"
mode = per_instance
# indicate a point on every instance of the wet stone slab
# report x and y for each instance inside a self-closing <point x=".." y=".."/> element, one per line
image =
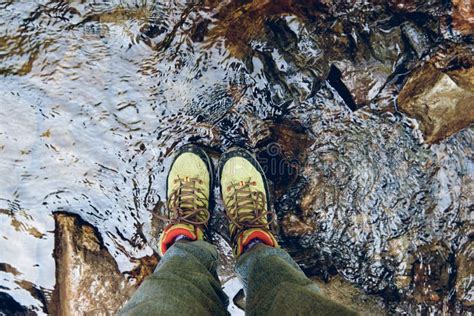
<point x="440" y="93"/>
<point x="88" y="280"/>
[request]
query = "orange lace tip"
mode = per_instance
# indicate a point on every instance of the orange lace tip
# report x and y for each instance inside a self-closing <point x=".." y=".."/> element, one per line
<point x="254" y="183"/>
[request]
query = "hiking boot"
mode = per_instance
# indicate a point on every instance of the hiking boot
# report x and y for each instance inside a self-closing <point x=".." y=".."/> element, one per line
<point x="244" y="191"/>
<point x="188" y="195"/>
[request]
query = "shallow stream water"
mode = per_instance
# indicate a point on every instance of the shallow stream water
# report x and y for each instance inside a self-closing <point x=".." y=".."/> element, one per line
<point x="94" y="97"/>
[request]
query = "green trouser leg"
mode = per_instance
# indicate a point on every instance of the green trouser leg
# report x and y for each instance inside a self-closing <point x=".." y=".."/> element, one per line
<point x="185" y="282"/>
<point x="275" y="285"/>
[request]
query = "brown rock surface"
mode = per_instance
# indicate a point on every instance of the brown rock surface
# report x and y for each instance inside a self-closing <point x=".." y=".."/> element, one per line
<point x="241" y="21"/>
<point x="463" y="16"/>
<point x="294" y="226"/>
<point x="363" y="80"/>
<point x="431" y="7"/>
<point x="431" y="273"/>
<point x="349" y="295"/>
<point x="88" y="281"/>
<point x="443" y="102"/>
<point x="360" y="76"/>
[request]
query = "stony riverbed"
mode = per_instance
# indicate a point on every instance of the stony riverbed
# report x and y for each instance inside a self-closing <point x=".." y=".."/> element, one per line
<point x="359" y="111"/>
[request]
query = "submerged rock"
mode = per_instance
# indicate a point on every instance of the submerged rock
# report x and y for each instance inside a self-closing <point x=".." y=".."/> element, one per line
<point x="433" y="7"/>
<point x="465" y="272"/>
<point x="417" y="38"/>
<point x="8" y="306"/>
<point x="347" y="294"/>
<point x="370" y="56"/>
<point x="442" y="102"/>
<point x="359" y="83"/>
<point x="431" y="274"/>
<point x="375" y="207"/>
<point x="463" y="16"/>
<point x="88" y="280"/>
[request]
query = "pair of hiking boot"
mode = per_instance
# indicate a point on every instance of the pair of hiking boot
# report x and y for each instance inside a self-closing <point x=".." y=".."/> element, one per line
<point x="243" y="188"/>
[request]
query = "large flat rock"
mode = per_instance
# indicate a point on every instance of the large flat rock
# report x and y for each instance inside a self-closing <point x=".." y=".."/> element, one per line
<point x="443" y="102"/>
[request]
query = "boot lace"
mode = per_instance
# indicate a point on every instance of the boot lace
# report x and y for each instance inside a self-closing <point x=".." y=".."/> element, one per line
<point x="246" y="206"/>
<point x="187" y="203"/>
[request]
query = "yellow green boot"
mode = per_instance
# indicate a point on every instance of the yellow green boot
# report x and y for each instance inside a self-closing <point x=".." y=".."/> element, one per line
<point x="244" y="191"/>
<point x="188" y="191"/>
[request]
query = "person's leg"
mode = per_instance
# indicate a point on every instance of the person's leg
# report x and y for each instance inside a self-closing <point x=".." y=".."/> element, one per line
<point x="184" y="283"/>
<point x="275" y="285"/>
<point x="273" y="282"/>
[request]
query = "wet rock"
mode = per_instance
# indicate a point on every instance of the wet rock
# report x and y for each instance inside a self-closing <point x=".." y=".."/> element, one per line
<point x="431" y="274"/>
<point x="399" y="250"/>
<point x="41" y="294"/>
<point x="403" y="5"/>
<point x="241" y="21"/>
<point x="5" y="267"/>
<point x="359" y="83"/>
<point x="386" y="44"/>
<point x="8" y="306"/>
<point x="87" y="277"/>
<point x="200" y="30"/>
<point x="465" y="270"/>
<point x="344" y="195"/>
<point x="442" y="102"/>
<point x="417" y="38"/>
<point x="368" y="189"/>
<point x="239" y="300"/>
<point x="335" y="80"/>
<point x="433" y="7"/>
<point x="152" y="30"/>
<point x="425" y="17"/>
<point x="370" y="57"/>
<point x="294" y="226"/>
<point x="463" y="16"/>
<point x="372" y="181"/>
<point x="347" y="294"/>
<point x="283" y="153"/>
